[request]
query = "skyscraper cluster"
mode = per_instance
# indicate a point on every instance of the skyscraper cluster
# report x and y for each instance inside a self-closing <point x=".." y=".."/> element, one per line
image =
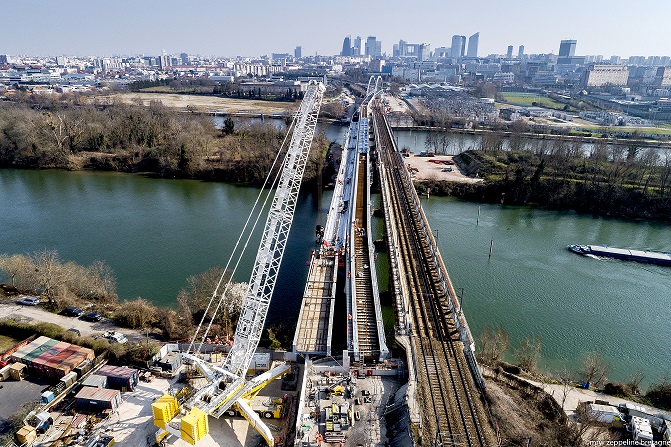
<point x="353" y="47"/>
<point x="373" y="48"/>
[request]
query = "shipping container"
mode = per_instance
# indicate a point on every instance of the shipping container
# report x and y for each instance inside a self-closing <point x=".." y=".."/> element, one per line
<point x="17" y="371"/>
<point x="95" y="381"/>
<point x="26" y="435"/>
<point x="4" y="372"/>
<point x="34" y="354"/>
<point x="69" y="379"/>
<point x="120" y="377"/>
<point x="47" y="397"/>
<point x="83" y="367"/>
<point x="97" y="399"/>
<point x="19" y="355"/>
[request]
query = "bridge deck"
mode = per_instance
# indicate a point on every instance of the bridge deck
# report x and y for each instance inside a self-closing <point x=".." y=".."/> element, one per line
<point x="313" y="335"/>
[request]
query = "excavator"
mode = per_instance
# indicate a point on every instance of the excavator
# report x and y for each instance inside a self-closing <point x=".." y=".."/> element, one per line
<point x="227" y="386"/>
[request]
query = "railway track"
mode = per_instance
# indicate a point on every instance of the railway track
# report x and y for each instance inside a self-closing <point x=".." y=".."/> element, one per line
<point x="452" y="413"/>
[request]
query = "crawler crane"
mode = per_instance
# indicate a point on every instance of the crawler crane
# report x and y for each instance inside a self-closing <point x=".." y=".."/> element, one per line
<point x="227" y="385"/>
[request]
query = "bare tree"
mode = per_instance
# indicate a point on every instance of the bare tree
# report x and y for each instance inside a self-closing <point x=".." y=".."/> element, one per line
<point x="594" y="368"/>
<point x="493" y="344"/>
<point x="528" y="352"/>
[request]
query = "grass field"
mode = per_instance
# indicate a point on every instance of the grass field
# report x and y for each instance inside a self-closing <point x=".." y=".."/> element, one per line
<point x="527" y="99"/>
<point x="7" y="343"/>
<point x="204" y="103"/>
<point x="664" y="129"/>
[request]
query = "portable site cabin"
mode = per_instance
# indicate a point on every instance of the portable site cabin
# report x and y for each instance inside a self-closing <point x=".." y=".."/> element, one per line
<point x="120" y="377"/>
<point x="95" y="381"/>
<point x="97" y="399"/>
<point x="605" y="413"/>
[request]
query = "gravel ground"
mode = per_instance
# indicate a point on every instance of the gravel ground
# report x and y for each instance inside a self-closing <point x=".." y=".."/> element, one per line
<point x="431" y="170"/>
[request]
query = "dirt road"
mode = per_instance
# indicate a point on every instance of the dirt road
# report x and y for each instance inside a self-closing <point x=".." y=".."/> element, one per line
<point x="9" y="310"/>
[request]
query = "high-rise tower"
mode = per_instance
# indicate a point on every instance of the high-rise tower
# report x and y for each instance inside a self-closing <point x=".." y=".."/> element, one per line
<point x="473" y="45"/>
<point x="346" y="46"/>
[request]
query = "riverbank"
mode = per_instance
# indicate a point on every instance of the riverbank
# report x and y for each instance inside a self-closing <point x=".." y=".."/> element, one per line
<point x="627" y="190"/>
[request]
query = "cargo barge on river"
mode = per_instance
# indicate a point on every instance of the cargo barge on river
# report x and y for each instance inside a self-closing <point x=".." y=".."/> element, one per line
<point x="650" y="257"/>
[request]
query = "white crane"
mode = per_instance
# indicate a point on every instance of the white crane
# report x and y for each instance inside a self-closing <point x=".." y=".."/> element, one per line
<point x="228" y="385"/>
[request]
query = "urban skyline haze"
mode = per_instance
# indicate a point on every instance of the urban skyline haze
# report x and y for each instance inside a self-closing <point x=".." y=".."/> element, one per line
<point x="252" y="28"/>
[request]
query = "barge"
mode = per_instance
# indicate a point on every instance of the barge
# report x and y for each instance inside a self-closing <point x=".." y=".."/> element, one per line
<point x="650" y="257"/>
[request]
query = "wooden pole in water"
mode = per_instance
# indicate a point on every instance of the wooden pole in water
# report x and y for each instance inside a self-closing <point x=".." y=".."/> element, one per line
<point x="477" y="222"/>
<point x="491" y="245"/>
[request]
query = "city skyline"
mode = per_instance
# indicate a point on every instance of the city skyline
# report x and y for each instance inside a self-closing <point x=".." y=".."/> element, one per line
<point x="74" y="27"/>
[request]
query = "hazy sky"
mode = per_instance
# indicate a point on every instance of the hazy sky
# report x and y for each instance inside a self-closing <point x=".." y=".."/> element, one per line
<point x="253" y="27"/>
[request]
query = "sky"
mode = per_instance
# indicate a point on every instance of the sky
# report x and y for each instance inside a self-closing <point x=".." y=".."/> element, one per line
<point x="253" y="27"/>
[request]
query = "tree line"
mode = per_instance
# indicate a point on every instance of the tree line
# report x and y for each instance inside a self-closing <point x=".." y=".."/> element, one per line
<point x="75" y="132"/>
<point x="64" y="283"/>
<point x="494" y="344"/>
<point x="612" y="180"/>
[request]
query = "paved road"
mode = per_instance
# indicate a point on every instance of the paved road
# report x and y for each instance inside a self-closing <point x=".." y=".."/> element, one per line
<point x="10" y="310"/>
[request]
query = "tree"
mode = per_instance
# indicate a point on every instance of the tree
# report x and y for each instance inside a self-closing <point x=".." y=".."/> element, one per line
<point x="528" y="352"/>
<point x="50" y="276"/>
<point x="203" y="286"/>
<point x="136" y="314"/>
<point x="594" y="368"/>
<point x="229" y="126"/>
<point x="493" y="344"/>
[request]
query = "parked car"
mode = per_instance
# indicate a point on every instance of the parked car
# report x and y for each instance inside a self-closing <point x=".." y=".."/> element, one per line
<point x="73" y="311"/>
<point x="29" y="301"/>
<point x="75" y="331"/>
<point x="115" y="337"/>
<point x="91" y="316"/>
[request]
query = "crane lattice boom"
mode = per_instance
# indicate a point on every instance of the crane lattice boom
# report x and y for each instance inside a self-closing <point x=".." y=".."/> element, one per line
<point x="214" y="399"/>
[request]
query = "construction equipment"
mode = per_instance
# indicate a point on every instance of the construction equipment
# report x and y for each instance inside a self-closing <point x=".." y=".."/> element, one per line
<point x="227" y="385"/>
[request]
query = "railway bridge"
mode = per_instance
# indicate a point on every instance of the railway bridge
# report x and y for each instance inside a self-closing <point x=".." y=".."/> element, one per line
<point x="445" y="380"/>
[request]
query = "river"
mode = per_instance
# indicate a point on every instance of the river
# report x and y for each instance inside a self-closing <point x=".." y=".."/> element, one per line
<point x="155" y="233"/>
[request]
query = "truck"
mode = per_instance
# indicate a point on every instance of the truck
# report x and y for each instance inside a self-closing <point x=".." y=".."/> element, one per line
<point x="640" y="429"/>
<point x="265" y="406"/>
<point x="605" y="413"/>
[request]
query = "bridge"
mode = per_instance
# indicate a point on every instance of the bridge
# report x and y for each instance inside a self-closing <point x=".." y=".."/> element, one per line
<point x="445" y="380"/>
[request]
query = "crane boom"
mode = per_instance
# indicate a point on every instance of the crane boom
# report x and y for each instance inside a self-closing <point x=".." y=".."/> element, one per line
<point x="227" y="386"/>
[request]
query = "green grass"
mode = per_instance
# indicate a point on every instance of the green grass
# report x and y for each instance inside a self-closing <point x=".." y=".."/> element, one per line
<point x="664" y="129"/>
<point x="7" y="343"/>
<point x="527" y="99"/>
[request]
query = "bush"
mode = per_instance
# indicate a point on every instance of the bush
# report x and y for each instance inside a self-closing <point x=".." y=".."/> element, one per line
<point x="616" y="389"/>
<point x="660" y="394"/>
<point x="136" y="314"/>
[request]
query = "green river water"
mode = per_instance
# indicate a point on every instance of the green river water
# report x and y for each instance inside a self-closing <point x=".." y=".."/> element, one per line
<point x="154" y="233"/>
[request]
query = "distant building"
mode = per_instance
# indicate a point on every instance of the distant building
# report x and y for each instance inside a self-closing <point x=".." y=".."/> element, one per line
<point x="663" y="78"/>
<point x="520" y="52"/>
<point x="509" y="53"/>
<point x="184" y="59"/>
<point x="600" y="75"/>
<point x="356" y="49"/>
<point x="458" y="46"/>
<point x="298" y="52"/>
<point x="424" y="52"/>
<point x="473" y="45"/>
<point x="347" y="47"/>
<point x="567" y="48"/>
<point x="504" y="78"/>
<point x="614" y="60"/>
<point x="567" y="52"/>
<point x="373" y="47"/>
<point x="441" y="52"/>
